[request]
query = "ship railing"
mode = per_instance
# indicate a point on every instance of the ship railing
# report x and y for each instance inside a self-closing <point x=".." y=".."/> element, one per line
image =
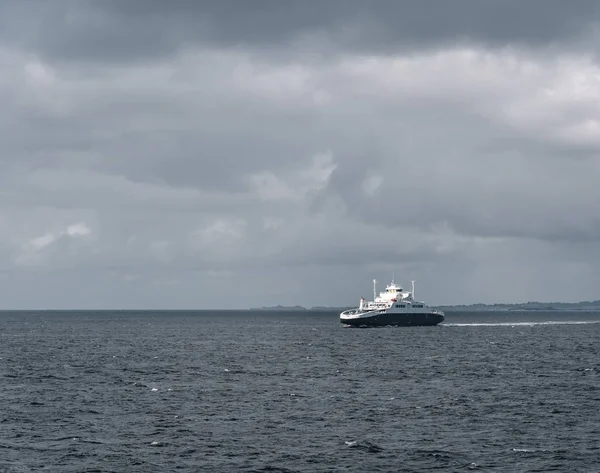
<point x="351" y="312"/>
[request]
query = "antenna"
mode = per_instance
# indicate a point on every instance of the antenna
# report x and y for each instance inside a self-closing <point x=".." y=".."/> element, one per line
<point x="393" y="277"/>
<point x="374" y="290"/>
<point x="413" y="289"/>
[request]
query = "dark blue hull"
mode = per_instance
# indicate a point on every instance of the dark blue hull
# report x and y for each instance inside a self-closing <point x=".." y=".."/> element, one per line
<point x="395" y="319"/>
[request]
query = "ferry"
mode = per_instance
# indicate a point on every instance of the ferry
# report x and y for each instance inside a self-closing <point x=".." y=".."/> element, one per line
<point x="393" y="307"/>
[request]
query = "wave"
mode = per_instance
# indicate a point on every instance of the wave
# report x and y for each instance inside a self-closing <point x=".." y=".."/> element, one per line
<point x="521" y="324"/>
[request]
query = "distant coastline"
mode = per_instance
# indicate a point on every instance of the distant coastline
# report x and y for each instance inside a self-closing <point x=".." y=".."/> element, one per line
<point x="526" y="306"/>
<point x="298" y="308"/>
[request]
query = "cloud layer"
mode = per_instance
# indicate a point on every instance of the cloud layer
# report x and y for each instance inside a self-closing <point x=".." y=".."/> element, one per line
<point x="203" y="156"/>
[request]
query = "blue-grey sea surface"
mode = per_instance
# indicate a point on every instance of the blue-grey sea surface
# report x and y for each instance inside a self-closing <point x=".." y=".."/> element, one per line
<point x="297" y="392"/>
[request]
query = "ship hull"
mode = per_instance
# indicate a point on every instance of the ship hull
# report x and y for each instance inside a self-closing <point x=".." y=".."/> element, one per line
<point x="385" y="319"/>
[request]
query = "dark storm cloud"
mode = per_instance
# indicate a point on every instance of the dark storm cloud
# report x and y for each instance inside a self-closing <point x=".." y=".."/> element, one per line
<point x="178" y="148"/>
<point x="137" y="30"/>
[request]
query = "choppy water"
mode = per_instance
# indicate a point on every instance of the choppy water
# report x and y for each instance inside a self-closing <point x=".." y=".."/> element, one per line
<point x="285" y="392"/>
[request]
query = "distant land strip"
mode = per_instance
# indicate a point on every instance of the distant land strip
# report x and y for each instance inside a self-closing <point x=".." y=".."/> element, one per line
<point x="583" y="305"/>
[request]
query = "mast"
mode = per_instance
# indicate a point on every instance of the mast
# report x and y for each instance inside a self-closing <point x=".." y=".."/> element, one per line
<point x="374" y="290"/>
<point x="413" y="289"/>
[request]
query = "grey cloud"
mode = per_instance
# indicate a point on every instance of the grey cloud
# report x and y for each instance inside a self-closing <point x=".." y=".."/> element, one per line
<point x="298" y="180"/>
<point x="141" y="30"/>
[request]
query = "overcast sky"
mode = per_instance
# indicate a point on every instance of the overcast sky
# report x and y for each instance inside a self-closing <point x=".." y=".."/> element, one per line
<point x="233" y="154"/>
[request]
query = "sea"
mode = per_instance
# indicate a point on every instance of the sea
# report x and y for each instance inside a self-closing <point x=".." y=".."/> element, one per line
<point x="252" y="391"/>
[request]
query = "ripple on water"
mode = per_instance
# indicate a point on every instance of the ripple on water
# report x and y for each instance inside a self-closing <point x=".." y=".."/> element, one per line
<point x="294" y="393"/>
